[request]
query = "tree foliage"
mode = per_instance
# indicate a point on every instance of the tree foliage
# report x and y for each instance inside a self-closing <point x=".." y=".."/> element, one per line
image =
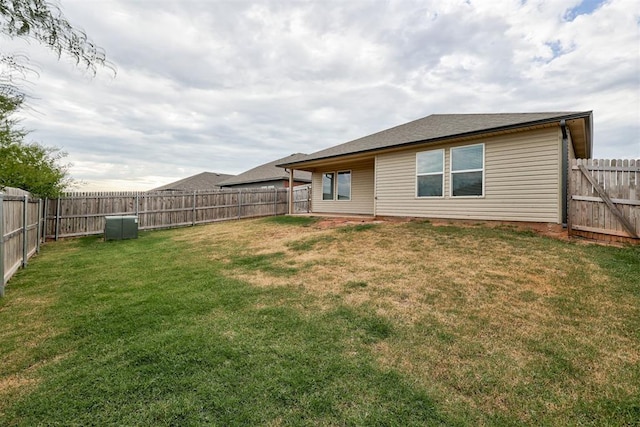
<point x="29" y="166"/>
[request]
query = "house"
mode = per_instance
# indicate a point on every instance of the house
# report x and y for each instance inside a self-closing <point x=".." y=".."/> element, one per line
<point x="201" y="181"/>
<point x="269" y="175"/>
<point x="509" y="167"/>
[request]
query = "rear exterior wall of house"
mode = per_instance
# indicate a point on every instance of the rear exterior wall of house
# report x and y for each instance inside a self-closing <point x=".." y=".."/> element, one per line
<point x="521" y="182"/>
<point x="522" y="176"/>
<point x="361" y="201"/>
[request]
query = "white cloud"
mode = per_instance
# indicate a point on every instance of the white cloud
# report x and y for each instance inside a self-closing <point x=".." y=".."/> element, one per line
<point x="225" y="86"/>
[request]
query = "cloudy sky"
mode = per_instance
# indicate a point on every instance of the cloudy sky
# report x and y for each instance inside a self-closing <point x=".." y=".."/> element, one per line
<point x="223" y="86"/>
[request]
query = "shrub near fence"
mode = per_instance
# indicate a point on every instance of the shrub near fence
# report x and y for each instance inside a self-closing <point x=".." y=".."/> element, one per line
<point x="20" y="219"/>
<point x="81" y="214"/>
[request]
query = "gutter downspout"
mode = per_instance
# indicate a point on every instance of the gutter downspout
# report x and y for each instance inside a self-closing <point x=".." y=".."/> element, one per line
<point x="565" y="171"/>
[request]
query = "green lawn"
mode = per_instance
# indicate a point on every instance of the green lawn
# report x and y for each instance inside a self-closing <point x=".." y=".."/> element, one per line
<point x="280" y="321"/>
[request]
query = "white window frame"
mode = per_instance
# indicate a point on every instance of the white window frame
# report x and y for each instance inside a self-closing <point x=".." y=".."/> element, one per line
<point x="452" y="172"/>
<point x="335" y="185"/>
<point x="418" y="174"/>
<point x="338" y="199"/>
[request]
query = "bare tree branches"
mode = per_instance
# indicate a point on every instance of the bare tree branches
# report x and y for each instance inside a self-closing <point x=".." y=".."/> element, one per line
<point x="44" y="22"/>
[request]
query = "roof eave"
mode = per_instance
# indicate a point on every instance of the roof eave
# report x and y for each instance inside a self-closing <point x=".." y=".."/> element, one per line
<point x="587" y="115"/>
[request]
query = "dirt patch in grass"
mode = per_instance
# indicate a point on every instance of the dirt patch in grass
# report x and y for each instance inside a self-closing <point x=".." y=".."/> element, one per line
<point x="13" y="384"/>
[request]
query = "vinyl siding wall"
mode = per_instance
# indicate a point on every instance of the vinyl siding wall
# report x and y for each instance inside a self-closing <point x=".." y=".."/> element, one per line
<point x="522" y="181"/>
<point x="361" y="190"/>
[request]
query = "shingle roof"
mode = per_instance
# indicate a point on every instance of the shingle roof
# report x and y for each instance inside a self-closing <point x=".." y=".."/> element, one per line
<point x="437" y="127"/>
<point x="270" y="172"/>
<point x="201" y="181"/>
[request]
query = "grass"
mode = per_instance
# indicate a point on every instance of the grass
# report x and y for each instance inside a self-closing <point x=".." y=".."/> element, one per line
<point x="280" y="321"/>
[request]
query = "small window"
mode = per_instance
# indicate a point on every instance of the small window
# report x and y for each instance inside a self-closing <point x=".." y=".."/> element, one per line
<point x="344" y="185"/>
<point x="430" y="173"/>
<point x="327" y="185"/>
<point x="467" y="171"/>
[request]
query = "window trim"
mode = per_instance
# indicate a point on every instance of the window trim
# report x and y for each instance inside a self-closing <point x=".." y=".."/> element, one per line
<point x="334" y="188"/>
<point x="333" y="183"/>
<point x="418" y="174"/>
<point x="452" y="172"/>
<point x="337" y="195"/>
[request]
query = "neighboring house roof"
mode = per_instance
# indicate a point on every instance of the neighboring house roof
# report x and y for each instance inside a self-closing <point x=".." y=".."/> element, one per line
<point x="201" y="181"/>
<point x="441" y="127"/>
<point x="270" y="172"/>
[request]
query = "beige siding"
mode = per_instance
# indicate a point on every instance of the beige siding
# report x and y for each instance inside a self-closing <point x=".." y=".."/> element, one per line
<point x="522" y="176"/>
<point x="361" y="190"/>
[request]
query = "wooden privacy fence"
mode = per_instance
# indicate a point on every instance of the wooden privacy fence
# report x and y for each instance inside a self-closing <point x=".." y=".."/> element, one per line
<point x="81" y="214"/>
<point x="20" y="219"/>
<point x="604" y="199"/>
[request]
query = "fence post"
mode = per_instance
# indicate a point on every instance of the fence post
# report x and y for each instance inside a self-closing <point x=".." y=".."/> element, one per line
<point x="45" y="212"/>
<point x="144" y="210"/>
<point x="239" y="203"/>
<point x="1" y="245"/>
<point x="57" y="233"/>
<point x="290" y="199"/>
<point x="25" y="236"/>
<point x="275" y="201"/>
<point x="39" y="226"/>
<point x="194" y="208"/>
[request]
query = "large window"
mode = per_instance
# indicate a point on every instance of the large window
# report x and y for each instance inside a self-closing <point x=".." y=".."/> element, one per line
<point x="430" y="173"/>
<point x="328" y="179"/>
<point x="467" y="171"/>
<point x="344" y="185"/>
<point x="336" y="189"/>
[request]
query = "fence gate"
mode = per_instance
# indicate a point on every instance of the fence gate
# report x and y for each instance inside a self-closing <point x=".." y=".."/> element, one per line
<point x="302" y="199"/>
<point x="604" y="201"/>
